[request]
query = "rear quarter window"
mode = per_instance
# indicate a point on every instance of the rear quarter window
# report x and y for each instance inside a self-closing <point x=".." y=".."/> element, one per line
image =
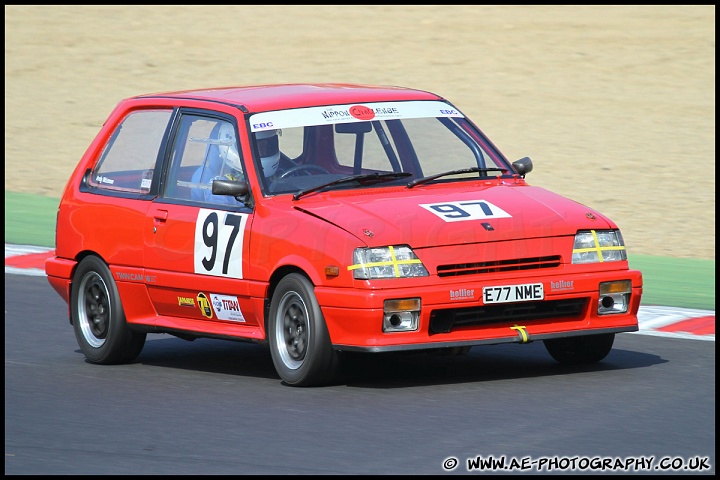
<point x="128" y="159"/>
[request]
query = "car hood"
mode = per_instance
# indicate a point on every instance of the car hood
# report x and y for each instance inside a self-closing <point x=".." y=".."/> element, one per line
<point x="437" y="216"/>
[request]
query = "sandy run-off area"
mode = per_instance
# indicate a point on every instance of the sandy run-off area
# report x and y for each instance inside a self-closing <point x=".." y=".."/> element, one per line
<point x="614" y="104"/>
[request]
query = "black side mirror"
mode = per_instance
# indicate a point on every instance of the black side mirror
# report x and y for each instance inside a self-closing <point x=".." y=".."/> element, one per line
<point x="523" y="166"/>
<point x="237" y="189"/>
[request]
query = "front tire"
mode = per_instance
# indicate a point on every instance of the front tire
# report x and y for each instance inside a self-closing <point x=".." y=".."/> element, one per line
<point x="299" y="340"/>
<point x="584" y="349"/>
<point x="98" y="317"/>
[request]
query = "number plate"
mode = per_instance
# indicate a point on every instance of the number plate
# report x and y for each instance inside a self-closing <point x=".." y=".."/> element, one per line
<point x="513" y="293"/>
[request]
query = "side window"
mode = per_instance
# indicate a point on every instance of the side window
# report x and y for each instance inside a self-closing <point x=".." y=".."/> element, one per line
<point x="129" y="157"/>
<point x="205" y="149"/>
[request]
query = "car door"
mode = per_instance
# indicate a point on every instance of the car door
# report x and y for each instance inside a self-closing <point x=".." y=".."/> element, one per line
<point x="195" y="242"/>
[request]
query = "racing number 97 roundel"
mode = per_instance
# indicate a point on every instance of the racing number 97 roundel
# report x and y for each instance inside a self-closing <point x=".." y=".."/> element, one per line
<point x="219" y="243"/>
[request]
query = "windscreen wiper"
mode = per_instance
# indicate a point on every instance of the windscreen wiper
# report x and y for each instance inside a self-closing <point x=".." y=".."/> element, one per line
<point x="363" y="179"/>
<point x="419" y="181"/>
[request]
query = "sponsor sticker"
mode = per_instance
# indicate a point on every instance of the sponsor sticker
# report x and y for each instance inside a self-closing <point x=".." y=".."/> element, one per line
<point x="204" y="305"/>
<point x="362" y="112"/>
<point x="227" y="307"/>
<point x="186" y="301"/>
<point x="462" y="294"/>
<point x="562" y="285"/>
<point x="332" y="114"/>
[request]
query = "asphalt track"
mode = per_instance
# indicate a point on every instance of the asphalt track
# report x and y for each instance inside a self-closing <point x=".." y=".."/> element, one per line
<point x="653" y="319"/>
<point x="218" y="407"/>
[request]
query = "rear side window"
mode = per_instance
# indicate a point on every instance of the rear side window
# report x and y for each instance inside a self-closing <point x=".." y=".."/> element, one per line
<point x="128" y="159"/>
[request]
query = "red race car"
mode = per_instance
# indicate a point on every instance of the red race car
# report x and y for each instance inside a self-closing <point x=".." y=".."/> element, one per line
<point x="327" y="218"/>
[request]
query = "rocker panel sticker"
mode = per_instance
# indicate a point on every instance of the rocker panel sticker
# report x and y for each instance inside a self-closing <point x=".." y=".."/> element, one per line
<point x="227" y="307"/>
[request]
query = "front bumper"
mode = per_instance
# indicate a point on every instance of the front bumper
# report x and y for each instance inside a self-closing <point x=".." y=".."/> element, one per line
<point x="445" y="321"/>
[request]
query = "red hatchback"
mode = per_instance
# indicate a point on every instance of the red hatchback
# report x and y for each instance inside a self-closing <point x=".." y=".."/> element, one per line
<point x="322" y="219"/>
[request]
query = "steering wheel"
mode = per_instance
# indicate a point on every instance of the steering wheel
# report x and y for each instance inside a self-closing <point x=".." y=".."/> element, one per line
<point x="307" y="169"/>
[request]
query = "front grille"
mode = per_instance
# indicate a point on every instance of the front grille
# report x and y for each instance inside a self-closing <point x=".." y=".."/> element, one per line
<point x="498" y="266"/>
<point x="445" y="320"/>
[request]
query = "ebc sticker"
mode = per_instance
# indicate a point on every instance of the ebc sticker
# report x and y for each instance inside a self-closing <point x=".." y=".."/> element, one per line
<point x="468" y="210"/>
<point x="219" y="243"/>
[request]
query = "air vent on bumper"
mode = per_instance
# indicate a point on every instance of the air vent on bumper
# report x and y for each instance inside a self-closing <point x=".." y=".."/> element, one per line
<point x="445" y="320"/>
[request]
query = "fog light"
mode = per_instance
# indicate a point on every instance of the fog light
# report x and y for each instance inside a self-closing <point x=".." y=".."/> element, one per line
<point x="401" y="315"/>
<point x="614" y="297"/>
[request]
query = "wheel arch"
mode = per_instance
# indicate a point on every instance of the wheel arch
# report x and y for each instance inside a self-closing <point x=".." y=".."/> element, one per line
<point x="82" y="255"/>
<point x="101" y="328"/>
<point x="275" y="278"/>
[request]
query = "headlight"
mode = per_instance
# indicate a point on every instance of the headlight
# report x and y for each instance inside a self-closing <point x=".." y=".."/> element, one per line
<point x="593" y="246"/>
<point x="396" y="261"/>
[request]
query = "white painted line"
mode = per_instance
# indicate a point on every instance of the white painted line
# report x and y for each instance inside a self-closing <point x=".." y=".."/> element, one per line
<point x="656" y="333"/>
<point x="33" y="272"/>
<point x="14" y="250"/>
<point x="659" y="316"/>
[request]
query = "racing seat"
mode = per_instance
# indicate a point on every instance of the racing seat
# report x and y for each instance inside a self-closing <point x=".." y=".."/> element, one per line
<point x="209" y="169"/>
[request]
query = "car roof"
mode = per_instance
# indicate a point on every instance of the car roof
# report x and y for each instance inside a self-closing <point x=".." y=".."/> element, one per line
<point x="260" y="98"/>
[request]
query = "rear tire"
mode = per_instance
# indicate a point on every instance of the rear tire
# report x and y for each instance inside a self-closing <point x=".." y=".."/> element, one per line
<point x="98" y="317"/>
<point x="299" y="340"/>
<point x="580" y="350"/>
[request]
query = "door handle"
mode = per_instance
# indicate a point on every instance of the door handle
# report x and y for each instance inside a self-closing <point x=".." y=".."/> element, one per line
<point x="160" y="216"/>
